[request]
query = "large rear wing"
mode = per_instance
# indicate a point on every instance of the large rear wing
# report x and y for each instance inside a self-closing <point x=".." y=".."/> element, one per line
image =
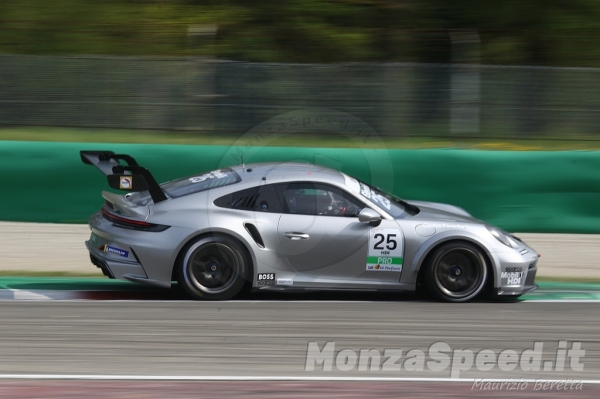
<point x="129" y="177"/>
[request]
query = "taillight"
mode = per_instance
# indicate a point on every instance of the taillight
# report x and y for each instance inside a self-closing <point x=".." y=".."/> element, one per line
<point x="125" y="223"/>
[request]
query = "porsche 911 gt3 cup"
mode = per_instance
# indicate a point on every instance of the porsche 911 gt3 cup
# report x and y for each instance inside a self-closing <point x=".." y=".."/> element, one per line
<point x="294" y="226"/>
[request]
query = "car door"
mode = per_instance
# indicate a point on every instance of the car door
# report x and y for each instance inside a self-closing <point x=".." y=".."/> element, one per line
<point x="325" y="243"/>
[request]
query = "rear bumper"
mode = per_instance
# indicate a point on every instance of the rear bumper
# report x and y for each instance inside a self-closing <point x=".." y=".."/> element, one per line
<point x="101" y="265"/>
<point x="111" y="267"/>
<point x="131" y="271"/>
<point x="141" y="256"/>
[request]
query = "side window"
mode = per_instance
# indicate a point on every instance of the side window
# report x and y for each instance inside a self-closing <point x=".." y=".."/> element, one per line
<point x="259" y="199"/>
<point x="307" y="198"/>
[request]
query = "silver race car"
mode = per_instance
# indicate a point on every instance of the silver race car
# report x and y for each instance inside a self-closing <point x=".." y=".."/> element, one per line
<point x="293" y="226"/>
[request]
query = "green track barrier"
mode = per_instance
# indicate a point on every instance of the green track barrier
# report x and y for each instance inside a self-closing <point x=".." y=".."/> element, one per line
<point x="518" y="191"/>
<point x="70" y="284"/>
<point x="547" y="290"/>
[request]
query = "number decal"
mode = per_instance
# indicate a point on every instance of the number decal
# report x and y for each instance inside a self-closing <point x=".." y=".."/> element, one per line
<point x="378" y="243"/>
<point x="391" y="243"/>
<point x="385" y="250"/>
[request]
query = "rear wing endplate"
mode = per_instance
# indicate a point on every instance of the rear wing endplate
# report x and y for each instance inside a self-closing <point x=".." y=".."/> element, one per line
<point x="130" y="177"/>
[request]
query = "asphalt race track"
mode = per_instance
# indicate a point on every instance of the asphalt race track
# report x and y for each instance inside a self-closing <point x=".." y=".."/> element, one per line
<point x="135" y="339"/>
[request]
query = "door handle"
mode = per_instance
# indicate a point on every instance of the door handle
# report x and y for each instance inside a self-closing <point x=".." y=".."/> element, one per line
<point x="296" y="236"/>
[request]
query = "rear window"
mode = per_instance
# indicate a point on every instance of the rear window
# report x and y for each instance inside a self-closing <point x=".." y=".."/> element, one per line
<point x="195" y="184"/>
<point x="258" y="199"/>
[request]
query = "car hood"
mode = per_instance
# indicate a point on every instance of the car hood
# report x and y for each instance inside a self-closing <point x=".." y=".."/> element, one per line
<point x="440" y="212"/>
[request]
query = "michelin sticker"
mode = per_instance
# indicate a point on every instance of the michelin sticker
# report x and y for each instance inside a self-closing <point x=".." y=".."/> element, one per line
<point x="115" y="250"/>
<point x="385" y="250"/>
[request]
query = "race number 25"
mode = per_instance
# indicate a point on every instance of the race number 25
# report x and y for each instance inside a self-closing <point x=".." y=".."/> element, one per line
<point x="385" y="250"/>
<point x="389" y="240"/>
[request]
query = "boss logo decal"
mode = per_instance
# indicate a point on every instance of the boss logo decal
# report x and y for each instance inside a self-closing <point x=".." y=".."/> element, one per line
<point x="266" y="278"/>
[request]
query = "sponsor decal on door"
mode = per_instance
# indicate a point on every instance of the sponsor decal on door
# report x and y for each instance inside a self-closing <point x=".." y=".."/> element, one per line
<point x="385" y="250"/>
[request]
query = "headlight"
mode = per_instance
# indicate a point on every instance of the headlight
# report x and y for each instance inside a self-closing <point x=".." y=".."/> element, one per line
<point x="502" y="237"/>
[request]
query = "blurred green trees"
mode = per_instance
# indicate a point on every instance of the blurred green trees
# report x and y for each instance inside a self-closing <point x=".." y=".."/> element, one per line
<point x="530" y="32"/>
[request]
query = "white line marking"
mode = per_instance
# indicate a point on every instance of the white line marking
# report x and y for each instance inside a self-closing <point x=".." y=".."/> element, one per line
<point x="542" y="292"/>
<point x="562" y="300"/>
<point x="275" y="378"/>
<point x="308" y="301"/>
<point x="24" y="295"/>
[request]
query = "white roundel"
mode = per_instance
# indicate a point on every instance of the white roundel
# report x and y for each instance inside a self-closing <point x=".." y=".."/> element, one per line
<point x="126" y="182"/>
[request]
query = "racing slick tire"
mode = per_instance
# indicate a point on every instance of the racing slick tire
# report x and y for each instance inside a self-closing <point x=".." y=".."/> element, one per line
<point x="213" y="268"/>
<point x="456" y="272"/>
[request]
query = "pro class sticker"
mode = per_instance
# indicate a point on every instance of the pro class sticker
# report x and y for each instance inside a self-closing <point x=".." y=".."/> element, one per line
<point x="385" y="250"/>
<point x="125" y="182"/>
<point x="265" y="279"/>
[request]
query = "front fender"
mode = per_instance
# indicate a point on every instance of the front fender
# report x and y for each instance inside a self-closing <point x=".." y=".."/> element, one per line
<point x="447" y="236"/>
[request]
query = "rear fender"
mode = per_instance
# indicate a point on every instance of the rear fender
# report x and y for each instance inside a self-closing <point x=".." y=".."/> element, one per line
<point x="243" y="240"/>
<point x="124" y="207"/>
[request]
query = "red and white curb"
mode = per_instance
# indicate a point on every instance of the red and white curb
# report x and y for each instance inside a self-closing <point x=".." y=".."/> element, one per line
<point x="38" y="295"/>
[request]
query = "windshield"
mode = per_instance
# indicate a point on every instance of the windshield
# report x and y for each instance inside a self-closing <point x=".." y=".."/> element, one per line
<point x="393" y="205"/>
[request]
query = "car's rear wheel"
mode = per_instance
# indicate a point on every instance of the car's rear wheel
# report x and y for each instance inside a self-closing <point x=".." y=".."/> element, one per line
<point x="213" y="268"/>
<point x="456" y="272"/>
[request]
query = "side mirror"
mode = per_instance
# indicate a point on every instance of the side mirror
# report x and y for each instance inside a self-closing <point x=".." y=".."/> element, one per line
<point x="368" y="215"/>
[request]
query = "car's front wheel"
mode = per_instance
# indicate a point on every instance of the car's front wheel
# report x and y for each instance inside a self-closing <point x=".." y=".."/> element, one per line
<point x="213" y="268"/>
<point x="456" y="272"/>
